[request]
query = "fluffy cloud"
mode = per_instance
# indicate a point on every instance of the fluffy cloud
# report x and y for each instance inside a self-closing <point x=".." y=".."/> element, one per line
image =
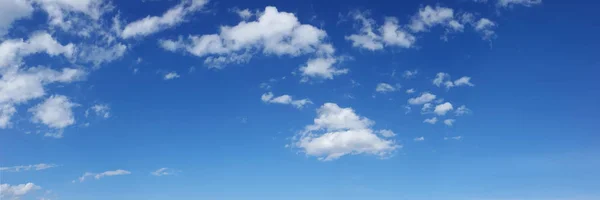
<point x="384" y="88"/>
<point x="103" y="174"/>
<point x="442" y="109"/>
<point x="410" y="91"/>
<point x="390" y="34"/>
<point x="444" y="78"/>
<point x="54" y="112"/>
<point x="340" y="131"/>
<point x="419" y="139"/>
<point x="16" y="191"/>
<point x="528" y="3"/>
<point x="462" y="110"/>
<point x="449" y="122"/>
<point x="164" y="172"/>
<point x="11" y="11"/>
<point x="101" y="110"/>
<point x="171" y="75"/>
<point x="284" y="99"/>
<point x="432" y="120"/>
<point x="68" y="14"/>
<point x="428" y="17"/>
<point x="273" y="33"/>
<point x="36" y="167"/>
<point x="12" y="51"/>
<point x="6" y="112"/>
<point x="410" y="74"/>
<point x="386" y="133"/>
<point x="426" y="97"/>
<point x="171" y="18"/>
<point x="427" y="108"/>
<point x="485" y="27"/>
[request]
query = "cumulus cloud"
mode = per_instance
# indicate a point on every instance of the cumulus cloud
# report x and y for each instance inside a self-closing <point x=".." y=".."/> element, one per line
<point x="103" y="174"/>
<point x="386" y="133"/>
<point x="172" y="17"/>
<point x="284" y="99"/>
<point x="449" y="122"/>
<point x="432" y="120"/>
<point x="337" y="132"/>
<point x="65" y="14"/>
<point x="36" y="167"/>
<point x="385" y="88"/>
<point x="427" y="108"/>
<point x="101" y="110"/>
<point x="17" y="191"/>
<point x="486" y="28"/>
<point x="54" y="112"/>
<point x="171" y="75"/>
<point x="6" y="113"/>
<point x="11" y="11"/>
<point x="272" y="33"/>
<point x="442" y="109"/>
<point x="410" y="91"/>
<point x="372" y="38"/>
<point x="444" y="78"/>
<point x="428" y="17"/>
<point x="426" y="97"/>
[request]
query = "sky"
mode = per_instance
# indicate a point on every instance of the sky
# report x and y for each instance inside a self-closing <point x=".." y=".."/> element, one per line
<point x="349" y="100"/>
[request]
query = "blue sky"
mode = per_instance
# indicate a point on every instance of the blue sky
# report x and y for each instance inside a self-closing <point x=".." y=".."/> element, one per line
<point x="193" y="99"/>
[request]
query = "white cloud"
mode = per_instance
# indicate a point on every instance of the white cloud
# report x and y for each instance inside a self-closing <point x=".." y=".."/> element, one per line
<point x="54" y="112"/>
<point x="462" y="110"/>
<point x="444" y="78"/>
<point x="12" y="10"/>
<point x="16" y="191"/>
<point x="284" y="99"/>
<point x="449" y="122"/>
<point x="442" y="109"/>
<point x="408" y="109"/>
<point x="390" y="34"/>
<point x="453" y="138"/>
<point x="65" y="13"/>
<point x="426" y="97"/>
<point x="428" y="17"/>
<point x="427" y="108"/>
<point x="432" y="120"/>
<point x="172" y="17"/>
<point x="12" y="51"/>
<point x="419" y="139"/>
<point x="36" y="167"/>
<point x="164" y="172"/>
<point x="384" y="88"/>
<point x="171" y="75"/>
<point x="410" y="74"/>
<point x="386" y="133"/>
<point x="485" y="27"/>
<point x="527" y="3"/>
<point x="6" y="113"/>
<point x="340" y="131"/>
<point x="272" y="33"/>
<point x="410" y="91"/>
<point x="245" y="14"/>
<point x="99" y="54"/>
<point x="101" y="110"/>
<point x="103" y="174"/>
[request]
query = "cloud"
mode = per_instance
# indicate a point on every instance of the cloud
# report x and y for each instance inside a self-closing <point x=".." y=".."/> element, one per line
<point x="390" y="34"/>
<point x="36" y="167"/>
<point x="527" y="3"/>
<point x="16" y="191"/>
<point x="284" y="99"/>
<point x="427" y="108"/>
<point x="444" y="78"/>
<point x="6" y="113"/>
<point x="164" y="172"/>
<point x="442" y="109"/>
<point x="101" y="110"/>
<point x="386" y="133"/>
<point x="12" y="51"/>
<point x="337" y="132"/>
<point x="65" y="13"/>
<point x="432" y="120"/>
<point x="449" y="122"/>
<point x="244" y="14"/>
<point x="424" y="98"/>
<point x="419" y="139"/>
<point x="410" y="91"/>
<point x="410" y="74"/>
<point x="171" y="75"/>
<point x="272" y="33"/>
<point x="428" y="17"/>
<point x="384" y="88"/>
<point x="172" y="17"/>
<point x="462" y="110"/>
<point x="485" y="27"/>
<point x="103" y="174"/>
<point x="55" y="112"/>
<point x="453" y="138"/>
<point x="11" y="11"/>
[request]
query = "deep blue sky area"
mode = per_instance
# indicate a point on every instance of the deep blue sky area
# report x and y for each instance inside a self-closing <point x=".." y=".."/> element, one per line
<point x="348" y="100"/>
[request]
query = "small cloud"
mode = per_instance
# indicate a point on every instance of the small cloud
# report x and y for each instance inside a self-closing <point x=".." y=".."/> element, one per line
<point x="410" y="91"/>
<point x="419" y="139"/>
<point x="171" y="75"/>
<point x="284" y="99"/>
<point x="462" y="110"/>
<point x="426" y="97"/>
<point x="453" y="138"/>
<point x="442" y="109"/>
<point x="449" y="122"/>
<point x="384" y="88"/>
<point x="410" y="74"/>
<point x="164" y="172"/>
<point x="386" y="133"/>
<point x="36" y="167"/>
<point x="432" y="120"/>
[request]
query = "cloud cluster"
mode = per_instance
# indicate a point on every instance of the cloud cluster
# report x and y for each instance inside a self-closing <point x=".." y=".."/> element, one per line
<point x="340" y="131"/>
<point x="284" y="99"/>
<point x="272" y="33"/>
<point x="385" y="88"/>
<point x="444" y="78"/>
<point x="17" y="191"/>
